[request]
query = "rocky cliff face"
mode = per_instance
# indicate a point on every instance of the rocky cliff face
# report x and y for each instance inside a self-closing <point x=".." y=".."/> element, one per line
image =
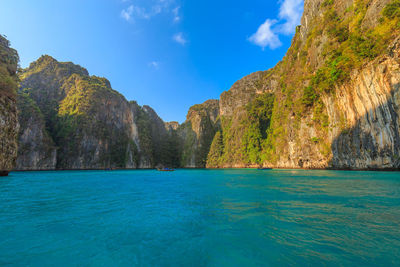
<point x="71" y="120"/>
<point x="8" y="106"/>
<point x="36" y="149"/>
<point x="370" y="105"/>
<point x="351" y="118"/>
<point x="334" y="96"/>
<point x="158" y="141"/>
<point x="197" y="133"/>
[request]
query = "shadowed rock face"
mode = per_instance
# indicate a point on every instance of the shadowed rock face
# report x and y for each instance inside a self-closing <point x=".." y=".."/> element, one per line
<point x="197" y="133"/>
<point x="8" y="106"/>
<point x="36" y="150"/>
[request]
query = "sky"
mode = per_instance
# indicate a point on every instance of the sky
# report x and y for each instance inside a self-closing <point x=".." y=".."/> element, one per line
<point x="168" y="54"/>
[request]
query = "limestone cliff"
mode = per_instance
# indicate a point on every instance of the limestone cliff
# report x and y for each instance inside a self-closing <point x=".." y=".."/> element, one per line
<point x="71" y="120"/>
<point x="332" y="102"/>
<point x="197" y="133"/>
<point x="158" y="141"/>
<point x="8" y="106"/>
<point x="36" y="149"/>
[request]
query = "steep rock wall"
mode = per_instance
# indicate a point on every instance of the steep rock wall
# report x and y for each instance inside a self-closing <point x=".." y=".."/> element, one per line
<point x="336" y="95"/>
<point x="8" y="106"/>
<point x="197" y="133"/>
<point x="36" y="149"/>
<point x="370" y="105"/>
<point x="355" y="123"/>
<point x="75" y="121"/>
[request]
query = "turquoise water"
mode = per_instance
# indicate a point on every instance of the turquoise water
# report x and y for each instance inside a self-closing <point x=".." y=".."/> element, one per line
<point x="200" y="218"/>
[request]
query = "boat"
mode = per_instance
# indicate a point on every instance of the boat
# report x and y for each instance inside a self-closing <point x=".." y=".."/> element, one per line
<point x="4" y="173"/>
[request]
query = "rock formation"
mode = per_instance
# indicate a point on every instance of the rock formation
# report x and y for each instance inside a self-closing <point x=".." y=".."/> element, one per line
<point x="8" y="106"/>
<point x="336" y="95"/>
<point x="197" y="133"/>
<point x="70" y="120"/>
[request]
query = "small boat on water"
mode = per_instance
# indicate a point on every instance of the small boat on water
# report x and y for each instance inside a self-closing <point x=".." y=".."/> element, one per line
<point x="3" y="173"/>
<point x="165" y="169"/>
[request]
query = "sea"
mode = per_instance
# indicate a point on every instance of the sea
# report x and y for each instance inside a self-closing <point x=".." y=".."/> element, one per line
<point x="233" y="217"/>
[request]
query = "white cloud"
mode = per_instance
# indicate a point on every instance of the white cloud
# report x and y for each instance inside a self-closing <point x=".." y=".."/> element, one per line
<point x="140" y="12"/>
<point x="175" y="12"/>
<point x="179" y="38"/>
<point x="158" y="7"/>
<point x="127" y="13"/>
<point x="289" y="17"/>
<point x="154" y="64"/>
<point x="135" y="12"/>
<point x="265" y="36"/>
<point x="290" y="11"/>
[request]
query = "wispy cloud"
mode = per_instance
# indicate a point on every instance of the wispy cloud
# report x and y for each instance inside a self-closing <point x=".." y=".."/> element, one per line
<point x="175" y="12"/>
<point x="136" y="12"/>
<point x="127" y="13"/>
<point x="289" y="17"/>
<point x="154" y="64"/>
<point x="179" y="38"/>
<point x="133" y="12"/>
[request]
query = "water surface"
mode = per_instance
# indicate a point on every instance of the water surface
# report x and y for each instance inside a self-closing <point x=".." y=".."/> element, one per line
<point x="200" y="218"/>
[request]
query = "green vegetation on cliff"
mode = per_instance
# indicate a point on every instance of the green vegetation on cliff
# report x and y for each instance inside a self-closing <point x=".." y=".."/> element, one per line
<point x="158" y="147"/>
<point x="92" y="125"/>
<point x="350" y="45"/>
<point x="33" y="138"/>
<point x="325" y="52"/>
<point x="246" y="142"/>
<point x="197" y="133"/>
<point x="214" y="157"/>
<point x="8" y="67"/>
<point x="8" y="109"/>
<point x="259" y="118"/>
<point x="87" y="120"/>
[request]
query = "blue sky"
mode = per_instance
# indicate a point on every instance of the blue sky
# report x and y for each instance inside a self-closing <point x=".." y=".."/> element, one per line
<point x="169" y="54"/>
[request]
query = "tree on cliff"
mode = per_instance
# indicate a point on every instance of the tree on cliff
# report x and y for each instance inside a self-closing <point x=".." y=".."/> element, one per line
<point x="216" y="151"/>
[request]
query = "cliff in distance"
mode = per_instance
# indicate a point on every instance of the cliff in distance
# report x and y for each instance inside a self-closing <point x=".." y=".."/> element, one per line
<point x="8" y="106"/>
<point x="197" y="133"/>
<point x="70" y="120"/>
<point x="332" y="102"/>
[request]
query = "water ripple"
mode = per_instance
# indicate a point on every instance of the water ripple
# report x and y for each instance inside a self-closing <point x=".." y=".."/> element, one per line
<point x="200" y="218"/>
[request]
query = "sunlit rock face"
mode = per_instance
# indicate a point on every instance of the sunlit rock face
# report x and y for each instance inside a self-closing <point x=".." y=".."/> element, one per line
<point x="370" y="105"/>
<point x="336" y="95"/>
